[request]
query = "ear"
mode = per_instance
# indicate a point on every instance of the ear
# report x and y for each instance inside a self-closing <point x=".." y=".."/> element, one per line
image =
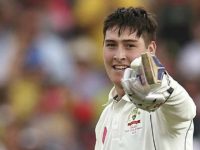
<point x="152" y="47"/>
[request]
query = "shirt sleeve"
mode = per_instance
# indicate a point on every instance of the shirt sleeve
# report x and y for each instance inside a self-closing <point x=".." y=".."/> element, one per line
<point x="180" y="106"/>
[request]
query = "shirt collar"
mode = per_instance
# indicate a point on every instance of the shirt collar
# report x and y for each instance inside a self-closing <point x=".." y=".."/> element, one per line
<point x="113" y="96"/>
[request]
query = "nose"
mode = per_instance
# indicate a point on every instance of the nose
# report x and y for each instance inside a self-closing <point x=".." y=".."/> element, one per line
<point x="120" y="55"/>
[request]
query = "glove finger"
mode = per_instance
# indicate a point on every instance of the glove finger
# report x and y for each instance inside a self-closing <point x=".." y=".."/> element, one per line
<point x="136" y="87"/>
<point x="160" y="88"/>
<point x="155" y="98"/>
<point x="137" y="67"/>
<point x="126" y="86"/>
<point x="141" y="76"/>
<point x="136" y="63"/>
<point x="128" y="73"/>
<point x="124" y="80"/>
<point x="160" y="68"/>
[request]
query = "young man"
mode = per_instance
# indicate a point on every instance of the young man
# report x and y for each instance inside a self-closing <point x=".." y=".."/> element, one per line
<point x="141" y="113"/>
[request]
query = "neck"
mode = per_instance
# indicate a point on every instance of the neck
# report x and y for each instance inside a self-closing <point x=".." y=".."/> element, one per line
<point x="120" y="91"/>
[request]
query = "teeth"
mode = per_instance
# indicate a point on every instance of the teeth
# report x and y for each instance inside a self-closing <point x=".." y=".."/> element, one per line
<point x="120" y="67"/>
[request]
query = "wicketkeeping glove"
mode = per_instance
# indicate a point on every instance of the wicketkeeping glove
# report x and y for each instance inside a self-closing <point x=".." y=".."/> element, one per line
<point x="147" y="83"/>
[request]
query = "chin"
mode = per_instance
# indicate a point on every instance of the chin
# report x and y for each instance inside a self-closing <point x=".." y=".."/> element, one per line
<point x="117" y="83"/>
<point x="116" y="78"/>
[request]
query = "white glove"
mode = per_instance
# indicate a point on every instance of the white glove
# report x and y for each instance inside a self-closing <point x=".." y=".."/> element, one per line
<point x="145" y="95"/>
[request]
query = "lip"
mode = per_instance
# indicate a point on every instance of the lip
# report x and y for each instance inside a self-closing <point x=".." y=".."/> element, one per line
<point x="120" y="67"/>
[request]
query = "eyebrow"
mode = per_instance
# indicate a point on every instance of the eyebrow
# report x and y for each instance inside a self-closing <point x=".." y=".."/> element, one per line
<point x="128" y="40"/>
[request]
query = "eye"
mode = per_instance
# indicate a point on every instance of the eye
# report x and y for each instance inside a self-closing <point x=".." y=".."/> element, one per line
<point x="110" y="45"/>
<point x="130" y="46"/>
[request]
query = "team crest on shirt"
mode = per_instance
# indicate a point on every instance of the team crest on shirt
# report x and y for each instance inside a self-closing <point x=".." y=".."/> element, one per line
<point x="132" y="119"/>
<point x="134" y="124"/>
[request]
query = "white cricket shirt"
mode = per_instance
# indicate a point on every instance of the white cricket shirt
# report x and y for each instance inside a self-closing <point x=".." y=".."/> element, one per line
<point x="122" y="126"/>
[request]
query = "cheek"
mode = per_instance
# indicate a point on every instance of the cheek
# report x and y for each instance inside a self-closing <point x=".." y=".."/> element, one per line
<point x="132" y="55"/>
<point x="108" y="56"/>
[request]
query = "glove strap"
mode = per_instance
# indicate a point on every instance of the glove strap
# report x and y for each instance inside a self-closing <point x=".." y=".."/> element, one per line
<point x="168" y="93"/>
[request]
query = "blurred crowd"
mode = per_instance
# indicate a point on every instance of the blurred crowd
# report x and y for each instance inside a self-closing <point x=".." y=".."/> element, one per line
<point x="52" y="80"/>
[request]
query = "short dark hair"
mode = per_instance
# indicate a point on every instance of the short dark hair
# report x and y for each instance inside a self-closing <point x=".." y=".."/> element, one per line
<point x="136" y="19"/>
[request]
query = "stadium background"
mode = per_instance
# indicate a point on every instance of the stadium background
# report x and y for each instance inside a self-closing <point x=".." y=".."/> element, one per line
<point x="52" y="79"/>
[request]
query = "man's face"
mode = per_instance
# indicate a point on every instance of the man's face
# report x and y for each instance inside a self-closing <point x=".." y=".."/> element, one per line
<point x="120" y="50"/>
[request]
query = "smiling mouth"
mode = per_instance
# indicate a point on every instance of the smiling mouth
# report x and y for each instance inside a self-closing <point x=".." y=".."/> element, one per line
<point x="120" y="67"/>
